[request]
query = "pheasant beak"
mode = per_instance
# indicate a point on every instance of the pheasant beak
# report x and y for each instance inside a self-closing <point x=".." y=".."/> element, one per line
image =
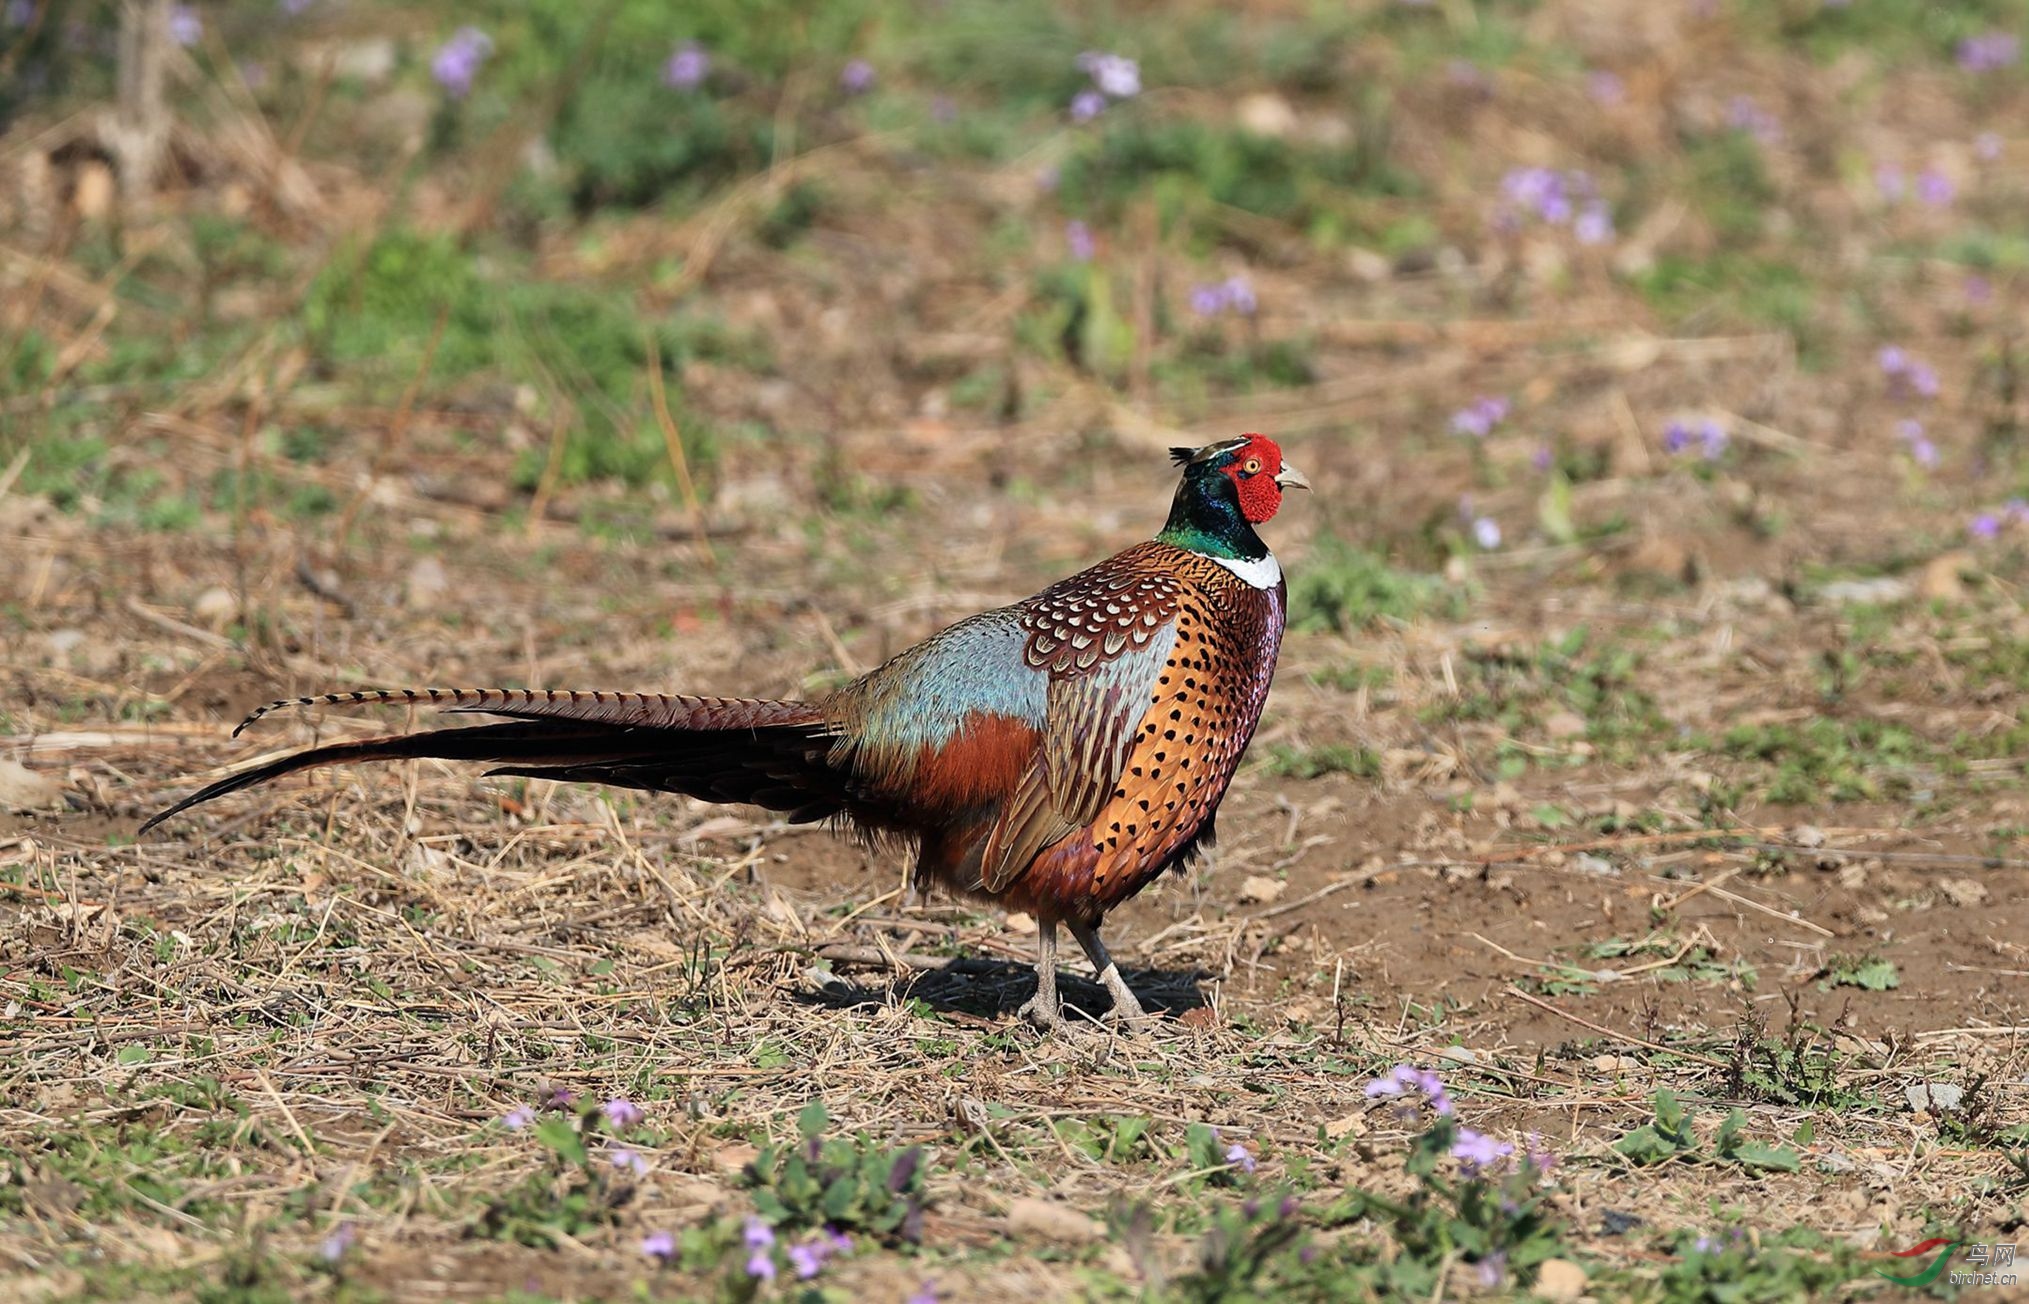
<point x="1291" y="478"/>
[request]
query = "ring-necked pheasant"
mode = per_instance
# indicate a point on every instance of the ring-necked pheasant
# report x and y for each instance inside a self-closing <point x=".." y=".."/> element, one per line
<point x="1053" y="756"/>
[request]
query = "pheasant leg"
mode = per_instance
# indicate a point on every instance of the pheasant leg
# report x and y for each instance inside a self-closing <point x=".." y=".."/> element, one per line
<point x="1125" y="1007"/>
<point x="1044" y="1009"/>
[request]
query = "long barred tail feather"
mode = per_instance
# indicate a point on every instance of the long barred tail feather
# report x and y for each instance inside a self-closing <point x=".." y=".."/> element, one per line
<point x="772" y="754"/>
<point x="652" y="709"/>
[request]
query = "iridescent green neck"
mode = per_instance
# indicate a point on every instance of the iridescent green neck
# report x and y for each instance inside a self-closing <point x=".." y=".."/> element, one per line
<point x="1205" y="518"/>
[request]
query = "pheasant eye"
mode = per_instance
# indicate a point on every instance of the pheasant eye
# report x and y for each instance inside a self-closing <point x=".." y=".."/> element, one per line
<point x="1251" y="466"/>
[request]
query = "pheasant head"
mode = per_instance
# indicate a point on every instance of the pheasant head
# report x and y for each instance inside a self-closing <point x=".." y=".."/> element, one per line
<point x="1228" y="488"/>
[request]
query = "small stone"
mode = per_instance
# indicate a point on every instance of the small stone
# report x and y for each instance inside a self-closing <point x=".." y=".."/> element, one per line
<point x="215" y="608"/>
<point x="1350" y="1125"/>
<point x="368" y="59"/>
<point x="1560" y="1279"/>
<point x="1259" y="889"/>
<point x="1944" y="577"/>
<point x="1807" y="835"/>
<point x="1264" y="114"/>
<point x="91" y="195"/>
<point x="1613" y="1222"/>
<point x="1458" y="1055"/>
<point x="1933" y="1097"/>
<point x="63" y="641"/>
<point x="1565" y="725"/>
<point x="1020" y="922"/>
<point x="1963" y="892"/>
<point x="23" y="789"/>
<point x="426" y="585"/>
<point x="1587" y="863"/>
<point x="1030" y="1219"/>
<point x="1883" y="590"/>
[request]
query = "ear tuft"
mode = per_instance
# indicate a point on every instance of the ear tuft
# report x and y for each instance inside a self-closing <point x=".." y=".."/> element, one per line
<point x="1182" y="456"/>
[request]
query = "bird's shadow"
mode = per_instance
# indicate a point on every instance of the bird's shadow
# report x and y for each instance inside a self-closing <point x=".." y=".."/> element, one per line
<point x="993" y="989"/>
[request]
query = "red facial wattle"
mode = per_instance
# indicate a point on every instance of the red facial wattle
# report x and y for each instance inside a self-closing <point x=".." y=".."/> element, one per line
<point x="1253" y="469"/>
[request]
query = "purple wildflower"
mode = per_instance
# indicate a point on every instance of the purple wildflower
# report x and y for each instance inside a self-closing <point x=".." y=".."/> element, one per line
<point x="627" y="1161"/>
<point x="334" y="1245"/>
<point x="19" y="12"/>
<point x="1542" y="191"/>
<point x="1469" y="77"/>
<point x="1239" y="295"/>
<point x="1978" y="289"/>
<point x="1935" y="188"/>
<point x="760" y="1240"/>
<point x="1492" y="1270"/>
<point x="559" y="1098"/>
<point x="1705" y="1245"/>
<point x="1708" y="434"/>
<point x="1238" y="1156"/>
<point x="1890" y="182"/>
<point x="1984" y="526"/>
<point x="185" y="27"/>
<point x="1406" y="1078"/>
<point x="1087" y="105"/>
<point x="457" y="61"/>
<point x="857" y="77"/>
<point x="622" y="1113"/>
<point x="1989" y="51"/>
<point x="1486" y="532"/>
<point x="687" y="68"/>
<point x="1606" y="88"/>
<point x="926" y="1294"/>
<point x="1207" y="300"/>
<point x="1987" y="146"/>
<point x="517" y="1118"/>
<point x="2016" y="511"/>
<point x="1543" y="458"/>
<point x="1478" y="418"/>
<point x="1594" y="225"/>
<point x="808" y="1259"/>
<point x="1539" y="1155"/>
<point x="295" y="8"/>
<point x="1743" y="114"/>
<point x="1910" y="431"/>
<point x="1478" y="1153"/>
<point x="1116" y="75"/>
<point x="1907" y="373"/>
<point x="1078" y="237"/>
<point x="659" y="1245"/>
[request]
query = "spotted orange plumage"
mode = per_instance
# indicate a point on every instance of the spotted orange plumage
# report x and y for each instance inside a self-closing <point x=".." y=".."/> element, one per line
<point x="1054" y="755"/>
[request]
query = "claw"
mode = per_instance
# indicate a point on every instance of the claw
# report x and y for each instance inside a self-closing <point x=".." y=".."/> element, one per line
<point x="1126" y="1009"/>
<point x="1046" y="1015"/>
